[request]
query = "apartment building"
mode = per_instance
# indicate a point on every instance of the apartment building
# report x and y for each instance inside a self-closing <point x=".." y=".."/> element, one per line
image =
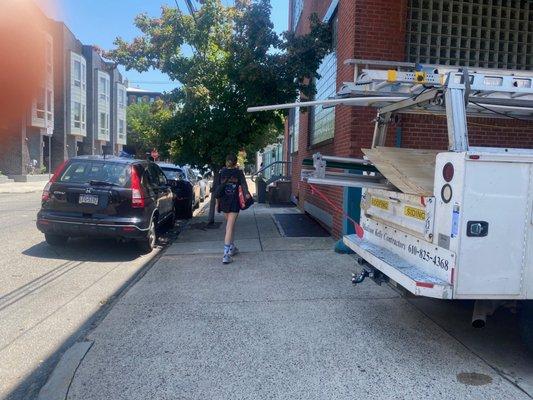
<point x="25" y="139"/>
<point x="80" y="108"/>
<point x="484" y="33"/>
<point x="70" y="94"/>
<point x="118" y="112"/>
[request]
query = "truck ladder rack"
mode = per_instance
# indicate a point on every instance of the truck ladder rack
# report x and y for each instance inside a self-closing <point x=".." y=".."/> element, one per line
<point x="365" y="174"/>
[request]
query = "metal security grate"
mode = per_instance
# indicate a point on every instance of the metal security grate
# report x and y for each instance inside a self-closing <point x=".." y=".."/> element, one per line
<point x="482" y="33"/>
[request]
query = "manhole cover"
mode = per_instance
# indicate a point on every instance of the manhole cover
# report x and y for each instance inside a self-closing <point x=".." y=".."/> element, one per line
<point x="474" y="379"/>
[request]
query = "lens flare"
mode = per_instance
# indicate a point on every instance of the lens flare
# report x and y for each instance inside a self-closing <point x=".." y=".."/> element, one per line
<point x="22" y="58"/>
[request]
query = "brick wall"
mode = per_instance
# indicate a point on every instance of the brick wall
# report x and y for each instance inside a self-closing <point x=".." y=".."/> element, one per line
<point x="376" y="30"/>
<point x="367" y="29"/>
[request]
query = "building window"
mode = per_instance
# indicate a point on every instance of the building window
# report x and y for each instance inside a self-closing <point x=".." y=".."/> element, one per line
<point x="76" y="114"/>
<point x="83" y="75"/>
<point x="49" y="105"/>
<point x="41" y="103"/>
<point x="297" y="8"/>
<point x="48" y="53"/>
<point x="104" y="124"/>
<point x="323" y="119"/>
<point x="77" y="73"/>
<point x="294" y="128"/>
<point x="483" y="33"/>
<point x="103" y="88"/>
<point x="83" y="114"/>
<point x="121" y="98"/>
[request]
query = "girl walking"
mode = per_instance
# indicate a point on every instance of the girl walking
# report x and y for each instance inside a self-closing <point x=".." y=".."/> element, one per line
<point x="230" y="178"/>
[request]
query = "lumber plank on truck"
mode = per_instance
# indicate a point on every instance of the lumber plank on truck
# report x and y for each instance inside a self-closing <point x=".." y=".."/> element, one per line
<point x="410" y="170"/>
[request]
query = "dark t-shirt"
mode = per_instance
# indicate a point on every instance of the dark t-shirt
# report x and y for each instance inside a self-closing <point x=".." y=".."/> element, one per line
<point x="231" y="178"/>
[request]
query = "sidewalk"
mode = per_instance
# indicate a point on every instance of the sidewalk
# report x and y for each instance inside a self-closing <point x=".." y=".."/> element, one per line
<point x="282" y="322"/>
<point x="21" y="187"/>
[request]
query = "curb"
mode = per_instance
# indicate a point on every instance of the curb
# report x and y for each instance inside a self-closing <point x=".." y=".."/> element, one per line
<point x="59" y="383"/>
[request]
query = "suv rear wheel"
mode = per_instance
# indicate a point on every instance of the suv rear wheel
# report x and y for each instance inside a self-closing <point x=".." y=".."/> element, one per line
<point x="55" y="240"/>
<point x="148" y="244"/>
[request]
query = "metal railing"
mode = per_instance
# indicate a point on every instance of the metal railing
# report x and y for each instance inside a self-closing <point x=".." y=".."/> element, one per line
<point x="274" y="171"/>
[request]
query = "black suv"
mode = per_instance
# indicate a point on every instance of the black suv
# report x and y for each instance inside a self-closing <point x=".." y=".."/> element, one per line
<point x="106" y="196"/>
<point x="186" y="188"/>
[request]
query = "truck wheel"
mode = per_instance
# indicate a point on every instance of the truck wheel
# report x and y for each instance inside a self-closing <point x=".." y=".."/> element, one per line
<point x="526" y="324"/>
<point x="55" y="240"/>
<point x="147" y="244"/>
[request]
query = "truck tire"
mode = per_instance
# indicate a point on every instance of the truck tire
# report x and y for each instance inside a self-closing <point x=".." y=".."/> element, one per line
<point x="526" y="324"/>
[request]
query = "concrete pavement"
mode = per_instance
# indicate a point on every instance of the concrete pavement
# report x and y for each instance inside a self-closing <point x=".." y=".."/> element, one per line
<point x="282" y="322"/>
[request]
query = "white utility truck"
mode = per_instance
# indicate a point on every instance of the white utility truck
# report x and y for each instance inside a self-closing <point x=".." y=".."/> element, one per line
<point x="455" y="224"/>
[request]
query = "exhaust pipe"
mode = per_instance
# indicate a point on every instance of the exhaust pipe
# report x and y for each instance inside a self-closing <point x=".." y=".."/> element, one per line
<point x="482" y="309"/>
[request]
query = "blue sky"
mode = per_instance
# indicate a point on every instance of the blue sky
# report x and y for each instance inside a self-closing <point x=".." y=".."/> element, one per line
<point x="99" y="22"/>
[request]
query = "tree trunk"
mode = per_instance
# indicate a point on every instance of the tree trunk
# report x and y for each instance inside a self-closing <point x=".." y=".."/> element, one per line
<point x="212" y="200"/>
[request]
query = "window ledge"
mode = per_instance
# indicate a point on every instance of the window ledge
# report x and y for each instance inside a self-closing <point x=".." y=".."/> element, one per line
<point x="320" y="144"/>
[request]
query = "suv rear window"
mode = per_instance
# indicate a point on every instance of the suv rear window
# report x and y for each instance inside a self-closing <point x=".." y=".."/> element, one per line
<point x="174" y="174"/>
<point x="85" y="171"/>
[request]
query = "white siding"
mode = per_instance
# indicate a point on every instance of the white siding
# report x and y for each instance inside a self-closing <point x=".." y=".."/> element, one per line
<point x="104" y="106"/>
<point x="78" y="95"/>
<point x="42" y="115"/>
<point x="121" y="114"/>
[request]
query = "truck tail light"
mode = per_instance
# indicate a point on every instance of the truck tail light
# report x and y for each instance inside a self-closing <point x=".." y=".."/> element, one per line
<point x="137" y="193"/>
<point x="59" y="170"/>
<point x="448" y="171"/>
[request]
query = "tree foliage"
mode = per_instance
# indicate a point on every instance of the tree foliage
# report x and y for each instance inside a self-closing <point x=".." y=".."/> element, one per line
<point x="225" y="59"/>
<point x="149" y="127"/>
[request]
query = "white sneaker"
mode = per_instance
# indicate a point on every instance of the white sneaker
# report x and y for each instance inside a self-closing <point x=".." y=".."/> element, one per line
<point x="234" y="251"/>
<point x="226" y="259"/>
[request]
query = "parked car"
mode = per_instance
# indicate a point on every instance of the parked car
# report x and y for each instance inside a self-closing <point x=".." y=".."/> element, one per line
<point x="205" y="186"/>
<point x="186" y="188"/>
<point x="106" y="196"/>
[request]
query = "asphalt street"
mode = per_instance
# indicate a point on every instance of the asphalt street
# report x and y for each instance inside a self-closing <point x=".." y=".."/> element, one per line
<point x="50" y="296"/>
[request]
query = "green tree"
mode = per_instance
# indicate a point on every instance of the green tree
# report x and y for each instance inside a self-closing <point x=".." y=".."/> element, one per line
<point x="225" y="59"/>
<point x="149" y="127"/>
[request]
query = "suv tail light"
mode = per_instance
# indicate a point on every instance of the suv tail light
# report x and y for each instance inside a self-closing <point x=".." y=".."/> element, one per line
<point x="137" y="193"/>
<point x="59" y="170"/>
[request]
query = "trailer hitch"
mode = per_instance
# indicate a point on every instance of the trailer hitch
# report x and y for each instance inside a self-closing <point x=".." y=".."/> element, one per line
<point x="358" y="278"/>
<point x="368" y="270"/>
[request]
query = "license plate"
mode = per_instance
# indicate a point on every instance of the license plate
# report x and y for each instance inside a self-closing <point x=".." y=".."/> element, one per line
<point x="88" y="199"/>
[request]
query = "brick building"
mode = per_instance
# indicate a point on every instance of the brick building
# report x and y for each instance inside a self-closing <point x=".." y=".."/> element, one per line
<point x="484" y="33"/>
